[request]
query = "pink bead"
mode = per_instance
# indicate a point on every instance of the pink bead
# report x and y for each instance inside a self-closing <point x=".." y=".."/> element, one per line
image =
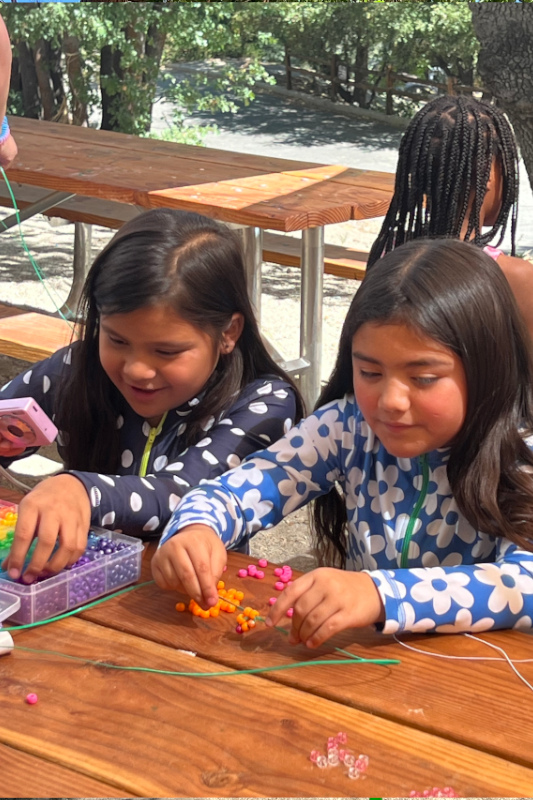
<point x="259" y="574"/>
<point x="284" y="578"/>
<point x="342" y="737"/>
<point x="272" y="600"/>
<point x="252" y="569"/>
<point x="314" y="756"/>
<point x="279" y="586"/>
<point x="238" y="629"/>
<point x="242" y="573"/>
<point x="225" y="568"/>
<point x="290" y="612"/>
<point x="263" y="563"/>
<point x="278" y="571"/>
<point x="31" y="698"/>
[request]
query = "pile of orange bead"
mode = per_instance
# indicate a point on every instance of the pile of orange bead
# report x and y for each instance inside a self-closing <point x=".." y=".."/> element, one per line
<point x="246" y="620"/>
<point x="228" y="601"/>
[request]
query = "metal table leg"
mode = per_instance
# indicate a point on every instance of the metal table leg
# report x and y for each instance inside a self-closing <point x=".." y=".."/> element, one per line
<point x="83" y="234"/>
<point x="311" y="312"/>
<point x="252" y="239"/>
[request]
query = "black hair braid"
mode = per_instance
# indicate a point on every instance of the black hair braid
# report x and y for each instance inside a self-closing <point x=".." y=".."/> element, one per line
<point x="446" y="152"/>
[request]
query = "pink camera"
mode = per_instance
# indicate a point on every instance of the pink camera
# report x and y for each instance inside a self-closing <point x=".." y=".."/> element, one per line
<point x="23" y="422"/>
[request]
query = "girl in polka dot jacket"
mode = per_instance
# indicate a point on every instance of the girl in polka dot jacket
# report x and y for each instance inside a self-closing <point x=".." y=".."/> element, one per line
<point x="417" y="457"/>
<point x="170" y="384"/>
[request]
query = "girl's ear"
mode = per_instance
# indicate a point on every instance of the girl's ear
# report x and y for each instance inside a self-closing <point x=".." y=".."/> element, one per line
<point x="230" y="337"/>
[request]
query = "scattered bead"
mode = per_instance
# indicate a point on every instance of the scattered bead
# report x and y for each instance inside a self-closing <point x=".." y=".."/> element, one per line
<point x="272" y="601"/>
<point x="220" y="585"/>
<point x="31" y="698"/>
<point x="263" y="563"/>
<point x="180" y="606"/>
<point x="242" y="573"/>
<point x="278" y="571"/>
<point x="252" y="569"/>
<point x="314" y="756"/>
<point x="290" y="612"/>
<point x="279" y="586"/>
<point x="322" y="762"/>
<point x="353" y="773"/>
<point x="259" y="574"/>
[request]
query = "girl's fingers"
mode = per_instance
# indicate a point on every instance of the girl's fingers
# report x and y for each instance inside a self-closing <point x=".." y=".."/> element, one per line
<point x="24" y="535"/>
<point x="323" y="629"/>
<point x="287" y="599"/>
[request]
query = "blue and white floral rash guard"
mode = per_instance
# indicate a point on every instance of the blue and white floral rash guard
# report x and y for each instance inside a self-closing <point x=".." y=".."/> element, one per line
<point x="433" y="570"/>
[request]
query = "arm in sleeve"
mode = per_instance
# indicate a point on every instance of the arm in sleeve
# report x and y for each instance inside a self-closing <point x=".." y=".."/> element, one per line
<point x="464" y="598"/>
<point x="140" y="505"/>
<point x="267" y="487"/>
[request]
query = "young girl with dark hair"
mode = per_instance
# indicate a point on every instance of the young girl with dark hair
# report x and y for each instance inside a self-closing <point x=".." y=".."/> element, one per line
<point x="457" y="175"/>
<point x="416" y="456"/>
<point x="170" y="384"/>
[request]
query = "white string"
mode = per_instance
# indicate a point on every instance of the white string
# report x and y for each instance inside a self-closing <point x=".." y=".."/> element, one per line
<point x="506" y="658"/>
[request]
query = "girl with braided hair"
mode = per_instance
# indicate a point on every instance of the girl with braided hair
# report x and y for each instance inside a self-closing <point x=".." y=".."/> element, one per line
<point x="457" y="175"/>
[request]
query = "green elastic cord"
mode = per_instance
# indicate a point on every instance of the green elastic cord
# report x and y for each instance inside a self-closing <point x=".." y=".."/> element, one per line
<point x="26" y="249"/>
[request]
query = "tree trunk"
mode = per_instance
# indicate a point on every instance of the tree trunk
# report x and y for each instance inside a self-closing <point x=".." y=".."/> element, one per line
<point x="505" y="65"/>
<point x="361" y="75"/>
<point x="71" y="48"/>
<point x="155" y="41"/>
<point x="30" y="93"/>
<point x="43" y="78"/>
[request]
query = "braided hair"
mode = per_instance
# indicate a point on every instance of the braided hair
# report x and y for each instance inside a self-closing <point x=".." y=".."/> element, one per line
<point x="446" y="152"/>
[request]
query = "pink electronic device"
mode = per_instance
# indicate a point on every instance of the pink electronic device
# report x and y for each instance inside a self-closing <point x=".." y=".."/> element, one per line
<point x="23" y="422"/>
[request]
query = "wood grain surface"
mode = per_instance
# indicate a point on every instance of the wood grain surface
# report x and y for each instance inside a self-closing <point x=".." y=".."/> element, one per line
<point x="458" y="700"/>
<point x="238" y="735"/>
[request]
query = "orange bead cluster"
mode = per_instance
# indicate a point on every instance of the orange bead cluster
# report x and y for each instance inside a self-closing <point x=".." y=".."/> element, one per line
<point x="228" y="601"/>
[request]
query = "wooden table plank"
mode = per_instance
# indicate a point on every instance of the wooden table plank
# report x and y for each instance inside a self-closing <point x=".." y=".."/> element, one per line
<point x="157" y="735"/>
<point x="454" y="699"/>
<point x="24" y="775"/>
<point x="33" y="336"/>
<point x="144" y="146"/>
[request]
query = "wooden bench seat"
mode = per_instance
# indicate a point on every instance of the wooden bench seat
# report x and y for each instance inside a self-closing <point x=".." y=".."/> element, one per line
<point x="31" y="336"/>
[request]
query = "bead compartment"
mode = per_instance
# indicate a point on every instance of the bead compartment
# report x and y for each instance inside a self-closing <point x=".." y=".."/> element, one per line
<point x="98" y="574"/>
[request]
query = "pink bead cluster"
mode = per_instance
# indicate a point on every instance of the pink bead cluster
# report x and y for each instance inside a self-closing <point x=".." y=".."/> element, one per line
<point x="447" y="791"/>
<point x="284" y="576"/>
<point x="337" y="755"/>
<point x="252" y="570"/>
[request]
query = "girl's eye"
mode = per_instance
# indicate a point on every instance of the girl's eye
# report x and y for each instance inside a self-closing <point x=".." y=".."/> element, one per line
<point x="115" y="339"/>
<point x="364" y="373"/>
<point x="168" y="353"/>
<point x="426" y="380"/>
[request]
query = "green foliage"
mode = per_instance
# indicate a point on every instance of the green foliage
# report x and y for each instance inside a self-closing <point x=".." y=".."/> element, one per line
<point x="131" y="33"/>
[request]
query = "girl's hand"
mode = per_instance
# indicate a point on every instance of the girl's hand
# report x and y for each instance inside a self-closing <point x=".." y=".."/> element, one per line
<point x="191" y="562"/>
<point x="326" y="601"/>
<point x="10" y="449"/>
<point x="57" y="508"/>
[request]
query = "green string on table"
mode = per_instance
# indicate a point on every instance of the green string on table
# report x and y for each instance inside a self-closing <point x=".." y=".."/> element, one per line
<point x="349" y="657"/>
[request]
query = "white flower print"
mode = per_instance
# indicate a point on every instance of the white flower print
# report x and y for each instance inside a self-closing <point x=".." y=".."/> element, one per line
<point x="450" y="524"/>
<point x="384" y="580"/>
<point x="463" y="623"/>
<point x="523" y="623"/>
<point x="255" y="509"/>
<point x="430" y="559"/>
<point x="395" y="535"/>
<point x="314" y="440"/>
<point x="441" y="588"/>
<point x="247" y="473"/>
<point x="509" y="586"/>
<point x="297" y="489"/>
<point x="385" y="496"/>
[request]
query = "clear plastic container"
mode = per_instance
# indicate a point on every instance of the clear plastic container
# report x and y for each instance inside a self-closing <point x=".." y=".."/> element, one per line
<point x="103" y="573"/>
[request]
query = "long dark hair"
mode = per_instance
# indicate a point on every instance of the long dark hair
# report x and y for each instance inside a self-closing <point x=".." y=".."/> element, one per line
<point x="455" y="294"/>
<point x="446" y="152"/>
<point x="180" y="259"/>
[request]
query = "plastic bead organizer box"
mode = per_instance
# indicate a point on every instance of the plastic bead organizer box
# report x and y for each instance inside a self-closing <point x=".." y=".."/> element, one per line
<point x="110" y="562"/>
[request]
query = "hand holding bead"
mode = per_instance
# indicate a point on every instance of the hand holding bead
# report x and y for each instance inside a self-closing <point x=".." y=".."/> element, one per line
<point x="326" y="601"/>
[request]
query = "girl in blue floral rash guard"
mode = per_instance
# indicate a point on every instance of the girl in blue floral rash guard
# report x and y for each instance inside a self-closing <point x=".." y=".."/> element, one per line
<point x="417" y="460"/>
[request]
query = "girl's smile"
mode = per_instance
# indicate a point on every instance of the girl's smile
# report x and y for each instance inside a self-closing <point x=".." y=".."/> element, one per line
<point x="410" y="389"/>
<point x="156" y="359"/>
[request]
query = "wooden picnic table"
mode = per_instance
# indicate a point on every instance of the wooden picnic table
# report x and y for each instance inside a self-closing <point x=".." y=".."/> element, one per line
<point x="426" y="722"/>
<point x="255" y="192"/>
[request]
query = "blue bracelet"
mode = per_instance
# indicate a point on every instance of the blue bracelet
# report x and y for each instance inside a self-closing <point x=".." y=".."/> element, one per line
<point x="4" y="133"/>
